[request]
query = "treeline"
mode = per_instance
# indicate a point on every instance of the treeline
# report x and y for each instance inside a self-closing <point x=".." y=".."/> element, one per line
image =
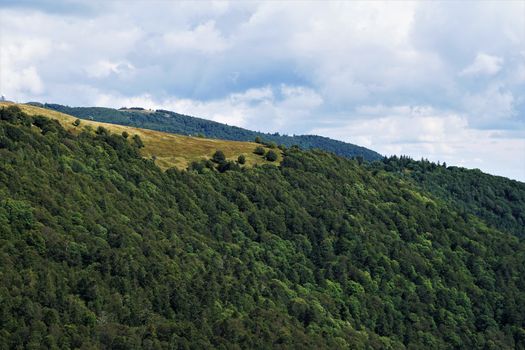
<point x="101" y="249"/>
<point x="499" y="201"/>
<point x="172" y="122"/>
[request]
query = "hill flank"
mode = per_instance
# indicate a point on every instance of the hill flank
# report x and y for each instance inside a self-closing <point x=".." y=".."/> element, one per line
<point x="170" y="150"/>
<point x="168" y="121"/>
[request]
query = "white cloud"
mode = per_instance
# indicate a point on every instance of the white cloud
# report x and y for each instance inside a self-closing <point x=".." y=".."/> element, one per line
<point x="19" y="74"/>
<point x="483" y="64"/>
<point x="491" y="106"/>
<point x="423" y="132"/>
<point x="204" y="38"/>
<point x="104" y="68"/>
<point x="21" y="82"/>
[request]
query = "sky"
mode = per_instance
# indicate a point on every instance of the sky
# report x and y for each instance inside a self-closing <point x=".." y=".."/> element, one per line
<point x="438" y="80"/>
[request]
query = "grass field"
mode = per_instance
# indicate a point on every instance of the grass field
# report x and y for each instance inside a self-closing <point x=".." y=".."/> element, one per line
<point x="170" y="150"/>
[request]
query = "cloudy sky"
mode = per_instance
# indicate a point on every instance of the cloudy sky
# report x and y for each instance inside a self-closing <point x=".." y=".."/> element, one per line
<point x="440" y="80"/>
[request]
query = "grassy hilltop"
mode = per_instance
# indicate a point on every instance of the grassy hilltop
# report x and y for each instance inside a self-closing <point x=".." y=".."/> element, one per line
<point x="170" y="150"/>
<point x="168" y="121"/>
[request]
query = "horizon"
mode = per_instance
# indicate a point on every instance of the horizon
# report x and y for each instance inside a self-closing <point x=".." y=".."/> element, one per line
<point x="400" y="78"/>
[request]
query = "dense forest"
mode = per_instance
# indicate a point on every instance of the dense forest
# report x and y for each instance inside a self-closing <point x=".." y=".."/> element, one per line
<point x="101" y="249"/>
<point x="172" y="122"/>
<point x="499" y="201"/>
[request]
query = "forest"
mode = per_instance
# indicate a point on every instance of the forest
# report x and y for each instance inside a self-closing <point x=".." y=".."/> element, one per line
<point x="172" y="122"/>
<point x="499" y="201"/>
<point x="99" y="248"/>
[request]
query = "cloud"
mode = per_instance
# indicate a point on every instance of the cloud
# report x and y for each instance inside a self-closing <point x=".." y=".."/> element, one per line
<point x="483" y="65"/>
<point x="492" y="107"/>
<point x="424" y="132"/>
<point x="204" y="38"/>
<point x="105" y="68"/>
<point x="264" y="109"/>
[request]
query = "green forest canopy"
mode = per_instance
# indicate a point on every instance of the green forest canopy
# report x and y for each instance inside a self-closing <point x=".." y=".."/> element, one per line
<point x="101" y="249"/>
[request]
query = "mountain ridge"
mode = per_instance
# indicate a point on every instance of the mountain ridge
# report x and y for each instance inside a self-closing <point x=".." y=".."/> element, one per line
<point x="164" y="120"/>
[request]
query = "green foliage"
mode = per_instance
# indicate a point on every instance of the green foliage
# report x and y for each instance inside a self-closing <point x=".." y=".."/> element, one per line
<point x="137" y="141"/>
<point x="125" y="134"/>
<point x="500" y="202"/>
<point x="241" y="159"/>
<point x="76" y="122"/>
<point x="271" y="156"/>
<point x="101" y="249"/>
<point x="259" y="150"/>
<point x="102" y="130"/>
<point x="172" y="122"/>
<point x="218" y="157"/>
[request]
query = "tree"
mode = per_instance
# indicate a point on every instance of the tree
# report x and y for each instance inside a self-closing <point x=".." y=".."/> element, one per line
<point x="137" y="141"/>
<point x="259" y="150"/>
<point x="258" y="139"/>
<point x="226" y="166"/>
<point x="76" y="122"/>
<point x="241" y="159"/>
<point x="218" y="157"/>
<point x="271" y="156"/>
<point x="101" y="130"/>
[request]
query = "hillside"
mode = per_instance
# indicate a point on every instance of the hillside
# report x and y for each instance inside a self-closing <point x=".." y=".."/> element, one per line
<point x="100" y="248"/>
<point x="172" y="122"/>
<point x="499" y="201"/>
<point x="169" y="150"/>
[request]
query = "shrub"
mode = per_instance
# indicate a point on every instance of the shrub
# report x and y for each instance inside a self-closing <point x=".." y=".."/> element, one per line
<point x="227" y="166"/>
<point x="197" y="166"/>
<point x="241" y="159"/>
<point x="259" y="150"/>
<point x="102" y="130"/>
<point x="271" y="156"/>
<point x="76" y="122"/>
<point x="219" y="157"/>
<point x="138" y="141"/>
<point x="125" y="134"/>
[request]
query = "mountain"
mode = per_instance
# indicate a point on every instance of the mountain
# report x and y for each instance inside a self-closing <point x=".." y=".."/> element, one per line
<point x="101" y="248"/>
<point x="172" y="122"/>
<point x="168" y="150"/>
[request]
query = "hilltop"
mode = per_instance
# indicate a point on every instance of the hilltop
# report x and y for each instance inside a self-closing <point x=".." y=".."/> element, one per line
<point x="169" y="150"/>
<point x="163" y="120"/>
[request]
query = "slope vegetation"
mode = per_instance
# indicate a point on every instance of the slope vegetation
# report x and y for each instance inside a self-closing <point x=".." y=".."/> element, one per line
<point x="169" y="150"/>
<point x="499" y="201"/>
<point x="99" y="248"/>
<point x="168" y="121"/>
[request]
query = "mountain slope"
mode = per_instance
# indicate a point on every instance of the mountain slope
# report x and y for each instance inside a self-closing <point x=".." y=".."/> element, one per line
<point x="499" y="201"/>
<point x="169" y="150"/>
<point x="163" y="120"/>
<point x="99" y="248"/>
